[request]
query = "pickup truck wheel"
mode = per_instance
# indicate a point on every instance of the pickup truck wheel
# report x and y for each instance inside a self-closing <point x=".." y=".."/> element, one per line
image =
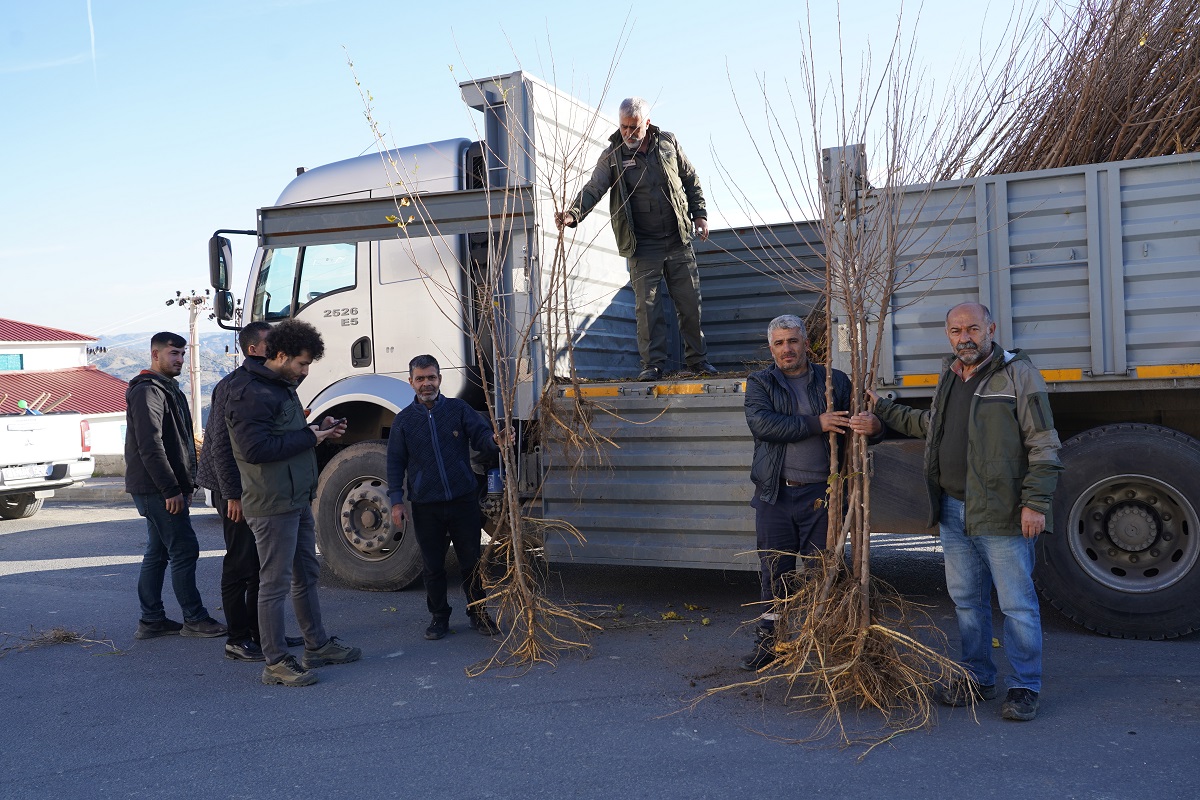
<point x="1123" y="557"/>
<point x="354" y="522"/>
<point x="19" y="506"/>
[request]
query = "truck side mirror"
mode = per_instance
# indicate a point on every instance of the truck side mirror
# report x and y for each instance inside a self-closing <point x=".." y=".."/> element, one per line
<point x="223" y="305"/>
<point x="220" y="256"/>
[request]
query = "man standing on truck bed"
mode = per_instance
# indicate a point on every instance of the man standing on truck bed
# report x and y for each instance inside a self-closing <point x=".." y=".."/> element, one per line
<point x="219" y="472"/>
<point x="430" y="442"/>
<point x="655" y="204"/>
<point x="274" y="447"/>
<point x="788" y="417"/>
<point x="991" y="465"/>
<point x="160" y="469"/>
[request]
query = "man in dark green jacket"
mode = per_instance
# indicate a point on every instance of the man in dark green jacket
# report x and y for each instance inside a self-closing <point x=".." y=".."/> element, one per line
<point x="991" y="465"/>
<point x="654" y="205"/>
<point x="274" y="447"/>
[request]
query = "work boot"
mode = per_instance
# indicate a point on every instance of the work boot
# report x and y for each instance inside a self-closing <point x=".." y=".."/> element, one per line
<point x="701" y="368"/>
<point x="962" y="692"/>
<point x="288" y="672"/>
<point x="764" y="650"/>
<point x="650" y="374"/>
<point x="152" y="630"/>
<point x="481" y="622"/>
<point x="332" y="652"/>
<point x="1020" y="704"/>
<point x="438" y="628"/>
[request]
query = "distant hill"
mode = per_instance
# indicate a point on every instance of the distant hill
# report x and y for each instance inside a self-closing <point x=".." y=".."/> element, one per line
<point x="129" y="353"/>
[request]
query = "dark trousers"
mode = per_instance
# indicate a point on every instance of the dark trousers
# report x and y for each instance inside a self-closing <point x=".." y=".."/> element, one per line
<point x="287" y="551"/>
<point x="239" y="576"/>
<point x="678" y="267"/>
<point x="436" y="526"/>
<point x="794" y="525"/>
<point x="170" y="541"/>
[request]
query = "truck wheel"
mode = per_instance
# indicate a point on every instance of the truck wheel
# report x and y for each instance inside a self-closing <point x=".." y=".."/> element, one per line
<point x="354" y="522"/>
<point x="1122" y="559"/>
<point x="19" y="506"/>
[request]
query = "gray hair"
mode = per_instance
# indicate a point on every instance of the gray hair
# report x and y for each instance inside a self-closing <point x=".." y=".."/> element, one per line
<point x="788" y="321"/>
<point x="635" y="107"/>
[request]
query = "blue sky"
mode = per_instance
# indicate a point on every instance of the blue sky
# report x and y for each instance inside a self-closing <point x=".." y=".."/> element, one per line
<point x="133" y="130"/>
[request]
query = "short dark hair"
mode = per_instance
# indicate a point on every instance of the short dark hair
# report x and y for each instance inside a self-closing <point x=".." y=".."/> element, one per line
<point x="293" y="337"/>
<point x="166" y="339"/>
<point x="251" y="334"/>
<point x="424" y="362"/>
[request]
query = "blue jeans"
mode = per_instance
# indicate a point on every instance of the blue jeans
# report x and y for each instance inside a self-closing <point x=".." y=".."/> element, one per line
<point x="973" y="565"/>
<point x="287" y="553"/>
<point x="170" y="540"/>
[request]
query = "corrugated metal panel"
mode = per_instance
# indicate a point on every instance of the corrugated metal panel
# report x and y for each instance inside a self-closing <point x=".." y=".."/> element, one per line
<point x="749" y="276"/>
<point x="673" y="488"/>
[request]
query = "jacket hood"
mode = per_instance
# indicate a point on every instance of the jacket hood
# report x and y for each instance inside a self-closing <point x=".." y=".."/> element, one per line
<point x="149" y="375"/>
<point x="1000" y="357"/>
<point x="258" y="367"/>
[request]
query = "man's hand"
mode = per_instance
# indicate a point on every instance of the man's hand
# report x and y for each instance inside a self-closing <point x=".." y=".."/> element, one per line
<point x="702" y="228"/>
<point x="176" y="504"/>
<point x="834" y="421"/>
<point x="502" y="438"/>
<point x="866" y="423"/>
<point x="564" y="219"/>
<point x="329" y="428"/>
<point x="233" y="510"/>
<point x="399" y="515"/>
<point x="1032" y="522"/>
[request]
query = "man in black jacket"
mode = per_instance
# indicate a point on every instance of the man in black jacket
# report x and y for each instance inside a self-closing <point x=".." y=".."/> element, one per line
<point x="788" y="416"/>
<point x="274" y="447"/>
<point x="218" y="472"/>
<point x="160" y="465"/>
<point x="430" y="442"/>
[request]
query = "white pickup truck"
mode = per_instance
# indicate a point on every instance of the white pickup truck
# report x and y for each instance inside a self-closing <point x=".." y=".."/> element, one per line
<point x="38" y="454"/>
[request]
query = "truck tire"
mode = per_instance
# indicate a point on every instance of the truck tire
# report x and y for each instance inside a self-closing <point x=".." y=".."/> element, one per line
<point x="19" y="506"/>
<point x="1122" y="560"/>
<point x="354" y="522"/>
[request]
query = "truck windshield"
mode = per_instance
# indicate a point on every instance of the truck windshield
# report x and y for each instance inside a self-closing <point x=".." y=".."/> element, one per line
<point x="292" y="277"/>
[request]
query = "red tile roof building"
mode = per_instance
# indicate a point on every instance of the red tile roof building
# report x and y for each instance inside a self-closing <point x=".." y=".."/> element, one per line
<point x="13" y="331"/>
<point x="86" y="389"/>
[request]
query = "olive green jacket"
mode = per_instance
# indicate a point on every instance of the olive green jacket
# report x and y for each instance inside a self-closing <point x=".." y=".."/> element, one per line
<point x="1012" y="447"/>
<point x="686" y="196"/>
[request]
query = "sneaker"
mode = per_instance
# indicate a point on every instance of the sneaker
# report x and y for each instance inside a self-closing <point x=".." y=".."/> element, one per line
<point x="764" y="651"/>
<point x="438" y="628"/>
<point x="288" y="672"/>
<point x="650" y="374"/>
<point x="332" y="652"/>
<point x="244" y="651"/>
<point x="152" y="630"/>
<point x="962" y="692"/>
<point x="294" y="641"/>
<point x="207" y="628"/>
<point x="702" y="368"/>
<point x="1020" y="704"/>
<point x="481" y="622"/>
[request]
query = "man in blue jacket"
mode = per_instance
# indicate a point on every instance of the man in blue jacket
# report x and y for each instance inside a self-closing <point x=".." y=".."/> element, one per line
<point x="274" y="447"/>
<point x="430" y="442"/>
<point x="789" y="418"/>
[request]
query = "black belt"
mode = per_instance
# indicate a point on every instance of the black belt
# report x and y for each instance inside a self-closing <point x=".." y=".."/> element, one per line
<point x="795" y="484"/>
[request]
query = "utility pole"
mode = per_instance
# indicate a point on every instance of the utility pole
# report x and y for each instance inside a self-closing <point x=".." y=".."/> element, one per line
<point x="195" y="304"/>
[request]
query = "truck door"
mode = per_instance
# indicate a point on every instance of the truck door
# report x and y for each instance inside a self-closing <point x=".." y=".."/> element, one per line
<point x="328" y="286"/>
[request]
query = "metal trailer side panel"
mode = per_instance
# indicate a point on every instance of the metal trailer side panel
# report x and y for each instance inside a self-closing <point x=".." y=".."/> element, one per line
<point x="1093" y="270"/>
<point x="673" y="489"/>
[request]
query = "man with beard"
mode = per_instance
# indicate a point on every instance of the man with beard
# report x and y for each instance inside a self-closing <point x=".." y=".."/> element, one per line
<point x="274" y="447"/>
<point x="160" y="469"/>
<point x="655" y="206"/>
<point x="991" y="465"/>
<point x="430" y="442"/>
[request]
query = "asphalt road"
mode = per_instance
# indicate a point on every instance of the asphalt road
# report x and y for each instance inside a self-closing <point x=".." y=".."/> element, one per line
<point x="172" y="718"/>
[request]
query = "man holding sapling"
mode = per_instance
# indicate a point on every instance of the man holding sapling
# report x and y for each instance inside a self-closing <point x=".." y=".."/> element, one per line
<point x="991" y="466"/>
<point x="655" y="206"/>
<point x="790" y="421"/>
